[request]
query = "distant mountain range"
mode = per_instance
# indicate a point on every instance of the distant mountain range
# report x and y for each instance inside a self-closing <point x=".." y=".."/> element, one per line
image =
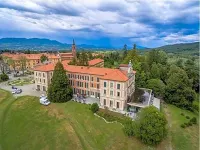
<point x="46" y="44"/>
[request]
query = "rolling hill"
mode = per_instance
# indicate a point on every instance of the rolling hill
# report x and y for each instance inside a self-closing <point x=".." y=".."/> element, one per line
<point x="184" y="48"/>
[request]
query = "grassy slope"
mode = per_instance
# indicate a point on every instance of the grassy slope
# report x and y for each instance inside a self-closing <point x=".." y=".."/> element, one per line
<point x="25" y="124"/>
<point x="28" y="125"/>
<point x="181" y="139"/>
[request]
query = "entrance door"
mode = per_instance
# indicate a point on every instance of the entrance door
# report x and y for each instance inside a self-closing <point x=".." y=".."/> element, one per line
<point x="117" y="104"/>
<point x="95" y="94"/>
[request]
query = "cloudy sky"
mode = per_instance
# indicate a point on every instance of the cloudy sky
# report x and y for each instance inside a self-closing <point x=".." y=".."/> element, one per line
<point x="147" y="23"/>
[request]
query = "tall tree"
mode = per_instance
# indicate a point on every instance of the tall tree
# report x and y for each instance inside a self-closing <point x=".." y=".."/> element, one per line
<point x="23" y="61"/>
<point x="59" y="90"/>
<point x="3" y="64"/>
<point x="12" y="63"/>
<point x="155" y="72"/>
<point x="134" y="46"/>
<point x="157" y="86"/>
<point x="125" y="52"/>
<point x="43" y="58"/>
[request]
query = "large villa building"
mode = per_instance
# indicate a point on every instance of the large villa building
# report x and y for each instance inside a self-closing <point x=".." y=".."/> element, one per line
<point x="111" y="86"/>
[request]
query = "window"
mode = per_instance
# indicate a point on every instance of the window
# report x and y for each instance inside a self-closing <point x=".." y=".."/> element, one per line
<point x="83" y="77"/>
<point x="117" y="104"/>
<point x="97" y="79"/>
<point x="111" y="85"/>
<point x="97" y="86"/>
<point x="88" y="78"/>
<point x="104" y="92"/>
<point x="92" y="85"/>
<point x="111" y="103"/>
<point x="92" y="79"/>
<point x="118" y="86"/>
<point x="118" y="94"/>
<point x="104" y="84"/>
<point x="111" y="93"/>
<point x="43" y="75"/>
<point x="44" y="80"/>
<point x="36" y="73"/>
<point x="44" y="88"/>
<point x="104" y="102"/>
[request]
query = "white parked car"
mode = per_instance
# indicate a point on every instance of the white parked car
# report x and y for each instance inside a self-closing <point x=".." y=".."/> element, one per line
<point x="16" y="91"/>
<point x="44" y="101"/>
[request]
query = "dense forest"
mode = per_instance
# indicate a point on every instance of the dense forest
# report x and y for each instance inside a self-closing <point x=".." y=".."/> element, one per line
<point x="177" y="81"/>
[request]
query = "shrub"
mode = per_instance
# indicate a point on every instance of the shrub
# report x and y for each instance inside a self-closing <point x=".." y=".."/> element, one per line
<point x="187" y="117"/>
<point x="151" y="126"/>
<point x="4" y="77"/>
<point x="189" y="124"/>
<point x="193" y="120"/>
<point x="94" y="107"/>
<point x="183" y="126"/>
<point x="129" y="128"/>
<point x="195" y="107"/>
<point x="182" y="114"/>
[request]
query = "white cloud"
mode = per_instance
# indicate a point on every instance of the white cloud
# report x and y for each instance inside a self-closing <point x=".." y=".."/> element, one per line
<point x="134" y="19"/>
<point x="180" y="38"/>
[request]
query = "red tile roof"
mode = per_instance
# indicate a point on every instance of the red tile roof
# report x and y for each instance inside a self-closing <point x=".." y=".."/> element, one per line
<point x="95" y="61"/>
<point x="65" y="62"/>
<point x="104" y="73"/>
<point x="44" y="68"/>
<point x="30" y="56"/>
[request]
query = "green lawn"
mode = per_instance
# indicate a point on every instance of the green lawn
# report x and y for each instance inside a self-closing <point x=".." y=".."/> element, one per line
<point x="181" y="138"/>
<point x="25" y="124"/>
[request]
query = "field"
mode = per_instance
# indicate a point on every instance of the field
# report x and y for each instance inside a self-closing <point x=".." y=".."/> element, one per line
<point x="25" y="124"/>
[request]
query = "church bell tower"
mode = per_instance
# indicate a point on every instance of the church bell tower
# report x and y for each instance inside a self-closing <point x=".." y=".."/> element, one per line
<point x="74" y="49"/>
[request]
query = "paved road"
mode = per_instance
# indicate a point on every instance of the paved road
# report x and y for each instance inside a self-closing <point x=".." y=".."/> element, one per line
<point x="28" y="89"/>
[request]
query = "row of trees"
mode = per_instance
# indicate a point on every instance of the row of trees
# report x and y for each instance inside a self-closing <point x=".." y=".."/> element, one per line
<point x="16" y="65"/>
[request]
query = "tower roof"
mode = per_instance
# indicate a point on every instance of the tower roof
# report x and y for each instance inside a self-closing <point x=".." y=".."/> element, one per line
<point x="73" y="42"/>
